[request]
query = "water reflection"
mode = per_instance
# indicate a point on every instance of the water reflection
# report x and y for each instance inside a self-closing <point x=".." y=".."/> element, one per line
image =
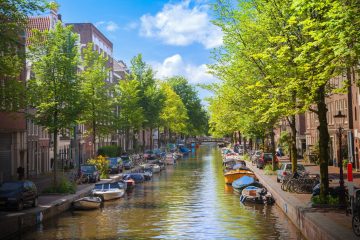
<point x="188" y="201"/>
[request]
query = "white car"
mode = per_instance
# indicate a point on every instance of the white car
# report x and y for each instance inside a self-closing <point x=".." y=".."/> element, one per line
<point x="285" y="169"/>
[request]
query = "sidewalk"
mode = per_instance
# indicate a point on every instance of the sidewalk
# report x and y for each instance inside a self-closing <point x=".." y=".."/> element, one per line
<point x="314" y="223"/>
<point x="50" y="205"/>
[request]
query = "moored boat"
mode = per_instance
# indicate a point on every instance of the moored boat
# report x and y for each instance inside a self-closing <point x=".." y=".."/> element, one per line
<point x="243" y="182"/>
<point x="232" y="175"/>
<point x="169" y="159"/>
<point x="256" y="195"/>
<point x="109" y="191"/>
<point x="87" y="203"/>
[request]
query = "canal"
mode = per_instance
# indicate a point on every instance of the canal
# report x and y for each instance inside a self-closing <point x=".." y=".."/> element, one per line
<point x="188" y="201"/>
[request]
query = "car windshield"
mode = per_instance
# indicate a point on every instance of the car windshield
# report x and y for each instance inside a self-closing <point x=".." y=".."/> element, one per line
<point x="88" y="168"/>
<point x="267" y="157"/>
<point x="6" y="186"/>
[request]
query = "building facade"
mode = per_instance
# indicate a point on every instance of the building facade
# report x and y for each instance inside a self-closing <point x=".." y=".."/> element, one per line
<point x="88" y="33"/>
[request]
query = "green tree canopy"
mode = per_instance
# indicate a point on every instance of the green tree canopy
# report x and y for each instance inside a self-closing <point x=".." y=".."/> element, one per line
<point x="54" y="90"/>
<point x="198" y="118"/>
<point x="98" y="107"/>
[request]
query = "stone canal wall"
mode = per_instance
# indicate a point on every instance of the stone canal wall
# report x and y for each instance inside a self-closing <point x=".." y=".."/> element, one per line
<point x="13" y="223"/>
<point x="312" y="223"/>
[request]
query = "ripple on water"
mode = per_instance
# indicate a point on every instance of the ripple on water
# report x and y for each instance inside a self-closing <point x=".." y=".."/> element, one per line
<point x="188" y="201"/>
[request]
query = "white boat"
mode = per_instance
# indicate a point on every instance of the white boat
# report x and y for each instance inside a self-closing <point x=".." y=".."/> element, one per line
<point x="108" y="191"/>
<point x="170" y="160"/>
<point x="256" y="195"/>
<point x="87" y="203"/>
<point x="155" y="168"/>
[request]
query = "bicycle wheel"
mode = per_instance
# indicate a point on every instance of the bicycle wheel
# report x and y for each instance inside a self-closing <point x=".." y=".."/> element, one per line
<point x="356" y="225"/>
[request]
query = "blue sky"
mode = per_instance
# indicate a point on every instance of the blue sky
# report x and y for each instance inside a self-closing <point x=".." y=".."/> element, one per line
<point x="175" y="37"/>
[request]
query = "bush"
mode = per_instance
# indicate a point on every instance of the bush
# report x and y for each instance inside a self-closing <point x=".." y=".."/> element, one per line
<point x="330" y="200"/>
<point x="246" y="157"/>
<point x="64" y="186"/>
<point x="345" y="162"/>
<point x="102" y="164"/>
<point x="110" y="151"/>
<point x="268" y="169"/>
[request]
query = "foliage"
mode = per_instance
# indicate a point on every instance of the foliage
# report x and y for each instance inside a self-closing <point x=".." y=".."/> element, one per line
<point x="198" y="117"/>
<point x="330" y="200"/>
<point x="345" y="163"/>
<point x="96" y="93"/>
<point x="174" y="114"/>
<point x="102" y="164"/>
<point x="246" y="157"/>
<point x="110" y="151"/>
<point x="13" y="17"/>
<point x="285" y="141"/>
<point x="54" y="89"/>
<point x="268" y="170"/>
<point x="151" y="98"/>
<point x="64" y="187"/>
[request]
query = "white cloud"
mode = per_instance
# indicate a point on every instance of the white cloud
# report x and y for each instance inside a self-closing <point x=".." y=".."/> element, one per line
<point x="175" y="65"/>
<point x="181" y="25"/>
<point x="110" y="26"/>
<point x="131" y="26"/>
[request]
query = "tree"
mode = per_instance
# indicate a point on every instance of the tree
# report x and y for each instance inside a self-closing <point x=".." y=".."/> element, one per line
<point x="198" y="118"/>
<point x="54" y="91"/>
<point x="131" y="114"/>
<point x="96" y="92"/>
<point x="151" y="98"/>
<point x="174" y="114"/>
<point x="13" y="18"/>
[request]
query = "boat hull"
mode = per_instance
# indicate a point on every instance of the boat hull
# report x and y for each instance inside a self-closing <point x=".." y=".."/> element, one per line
<point x="233" y="175"/>
<point x="87" y="203"/>
<point x="109" y="195"/>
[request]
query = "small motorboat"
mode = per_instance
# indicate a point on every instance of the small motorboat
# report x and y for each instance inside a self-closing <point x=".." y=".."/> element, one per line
<point x="232" y="175"/>
<point x="109" y="191"/>
<point x="243" y="182"/>
<point x="137" y="177"/>
<point x="87" y="203"/>
<point x="154" y="168"/>
<point x="256" y="195"/>
<point x="170" y="160"/>
<point x="147" y="174"/>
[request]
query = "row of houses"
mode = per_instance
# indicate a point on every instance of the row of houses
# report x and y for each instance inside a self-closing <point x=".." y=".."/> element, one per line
<point x="307" y="124"/>
<point x="25" y="144"/>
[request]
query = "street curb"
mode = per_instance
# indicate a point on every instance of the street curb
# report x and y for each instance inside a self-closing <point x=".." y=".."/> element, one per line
<point x="312" y="224"/>
<point x="15" y="223"/>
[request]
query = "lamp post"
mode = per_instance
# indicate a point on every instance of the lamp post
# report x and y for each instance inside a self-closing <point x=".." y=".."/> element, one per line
<point x="339" y="120"/>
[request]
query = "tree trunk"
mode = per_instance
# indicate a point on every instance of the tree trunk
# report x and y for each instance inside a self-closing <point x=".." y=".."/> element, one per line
<point x="94" y="137"/>
<point x="143" y="140"/>
<point x="127" y="139"/>
<point x="158" y="137"/>
<point x="273" y="151"/>
<point x="55" y="156"/>
<point x="151" y="138"/>
<point x="293" y="148"/>
<point x="324" y="139"/>
<point x="263" y="143"/>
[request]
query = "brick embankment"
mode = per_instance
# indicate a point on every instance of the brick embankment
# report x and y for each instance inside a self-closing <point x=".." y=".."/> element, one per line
<point x="314" y="223"/>
<point x="12" y="223"/>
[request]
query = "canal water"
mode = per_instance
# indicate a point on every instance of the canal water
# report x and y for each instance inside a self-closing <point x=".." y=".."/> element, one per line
<point x="187" y="201"/>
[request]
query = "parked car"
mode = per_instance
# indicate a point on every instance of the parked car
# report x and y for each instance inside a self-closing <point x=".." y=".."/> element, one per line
<point x="16" y="194"/>
<point x="115" y="165"/>
<point x="285" y="169"/>
<point x="264" y="159"/>
<point x="128" y="164"/>
<point x="90" y="171"/>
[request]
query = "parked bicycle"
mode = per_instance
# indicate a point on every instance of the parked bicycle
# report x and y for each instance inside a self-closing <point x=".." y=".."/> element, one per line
<point x="299" y="182"/>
